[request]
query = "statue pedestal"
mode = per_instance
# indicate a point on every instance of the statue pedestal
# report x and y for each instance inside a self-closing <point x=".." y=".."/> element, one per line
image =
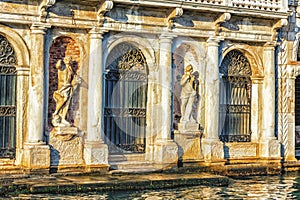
<point x="189" y="146"/>
<point x="66" y="148"/>
<point x="188" y="127"/>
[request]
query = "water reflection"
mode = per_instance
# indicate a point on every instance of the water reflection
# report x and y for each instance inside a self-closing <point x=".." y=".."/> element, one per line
<point x="256" y="187"/>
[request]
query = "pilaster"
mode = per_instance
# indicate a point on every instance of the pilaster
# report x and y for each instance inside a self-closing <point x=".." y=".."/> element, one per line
<point x="212" y="147"/>
<point x="270" y="147"/>
<point x="22" y="105"/>
<point x="95" y="151"/>
<point x="256" y="92"/>
<point x="166" y="150"/>
<point x="36" y="152"/>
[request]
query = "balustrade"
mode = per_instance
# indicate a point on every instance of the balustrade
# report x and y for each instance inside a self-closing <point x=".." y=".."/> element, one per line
<point x="265" y="5"/>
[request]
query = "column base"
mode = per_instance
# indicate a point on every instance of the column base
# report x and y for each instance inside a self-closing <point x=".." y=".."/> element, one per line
<point x="36" y="157"/>
<point x="96" y="153"/>
<point x="213" y="151"/>
<point x="189" y="148"/>
<point x="270" y="148"/>
<point x="166" y="153"/>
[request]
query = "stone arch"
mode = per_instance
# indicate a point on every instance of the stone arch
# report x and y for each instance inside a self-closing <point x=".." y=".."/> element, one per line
<point x="141" y="43"/>
<point x="61" y="47"/>
<point x="18" y="44"/>
<point x="254" y="60"/>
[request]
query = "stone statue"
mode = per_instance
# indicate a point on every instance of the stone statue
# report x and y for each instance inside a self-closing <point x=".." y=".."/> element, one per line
<point x="67" y="83"/>
<point x="188" y="94"/>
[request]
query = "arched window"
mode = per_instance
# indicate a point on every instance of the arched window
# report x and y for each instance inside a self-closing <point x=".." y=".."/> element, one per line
<point x="125" y="89"/>
<point x="235" y="98"/>
<point x="8" y="82"/>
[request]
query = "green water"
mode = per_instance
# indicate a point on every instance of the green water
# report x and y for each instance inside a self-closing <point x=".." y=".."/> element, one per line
<point x="256" y="187"/>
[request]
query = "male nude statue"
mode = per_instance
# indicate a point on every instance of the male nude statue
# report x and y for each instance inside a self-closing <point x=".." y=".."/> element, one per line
<point x="67" y="83"/>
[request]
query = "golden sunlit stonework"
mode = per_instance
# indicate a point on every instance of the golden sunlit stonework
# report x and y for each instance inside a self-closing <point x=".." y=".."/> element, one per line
<point x="128" y="58"/>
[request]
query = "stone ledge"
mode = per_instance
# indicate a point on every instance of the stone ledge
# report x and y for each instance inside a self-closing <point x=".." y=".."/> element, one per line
<point x="72" y="184"/>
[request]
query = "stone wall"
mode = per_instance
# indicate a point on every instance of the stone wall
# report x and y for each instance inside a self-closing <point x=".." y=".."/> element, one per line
<point x="170" y="35"/>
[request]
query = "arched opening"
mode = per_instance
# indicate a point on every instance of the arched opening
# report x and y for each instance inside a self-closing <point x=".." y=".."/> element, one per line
<point x="125" y="89"/>
<point x="235" y="98"/>
<point x="8" y="91"/>
<point x="61" y="48"/>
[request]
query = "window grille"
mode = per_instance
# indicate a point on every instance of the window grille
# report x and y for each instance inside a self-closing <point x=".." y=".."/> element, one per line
<point x="235" y="98"/>
<point x="8" y="80"/>
<point x="125" y="100"/>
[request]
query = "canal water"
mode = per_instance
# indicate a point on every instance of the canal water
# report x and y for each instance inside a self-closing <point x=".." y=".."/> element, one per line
<point x="253" y="187"/>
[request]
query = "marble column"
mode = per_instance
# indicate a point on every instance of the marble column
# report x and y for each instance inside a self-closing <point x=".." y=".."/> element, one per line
<point x="270" y="147"/>
<point x="36" y="152"/>
<point x="166" y="150"/>
<point x="212" y="147"/>
<point x="95" y="151"/>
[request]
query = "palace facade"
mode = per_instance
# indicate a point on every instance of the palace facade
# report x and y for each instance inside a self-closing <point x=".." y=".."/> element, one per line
<point x="127" y="59"/>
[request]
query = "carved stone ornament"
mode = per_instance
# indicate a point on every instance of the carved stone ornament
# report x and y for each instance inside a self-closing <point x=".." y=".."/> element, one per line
<point x="104" y="8"/>
<point x="177" y="12"/>
<point x="223" y="18"/>
<point x="44" y="6"/>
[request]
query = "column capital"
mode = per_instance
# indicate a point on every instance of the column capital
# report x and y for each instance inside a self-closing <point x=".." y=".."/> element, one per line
<point x="39" y="28"/>
<point x="166" y="37"/>
<point x="270" y="45"/>
<point x="213" y="41"/>
<point x="97" y="32"/>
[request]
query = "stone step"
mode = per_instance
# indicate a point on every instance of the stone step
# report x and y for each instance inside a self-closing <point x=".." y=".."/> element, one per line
<point x="126" y="157"/>
<point x="131" y="165"/>
<point x="134" y="171"/>
<point x="10" y="170"/>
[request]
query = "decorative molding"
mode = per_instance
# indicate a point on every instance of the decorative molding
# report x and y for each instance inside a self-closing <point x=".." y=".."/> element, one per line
<point x="223" y="18"/>
<point x="43" y="8"/>
<point x="104" y="8"/>
<point x="257" y="80"/>
<point x="177" y="12"/>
